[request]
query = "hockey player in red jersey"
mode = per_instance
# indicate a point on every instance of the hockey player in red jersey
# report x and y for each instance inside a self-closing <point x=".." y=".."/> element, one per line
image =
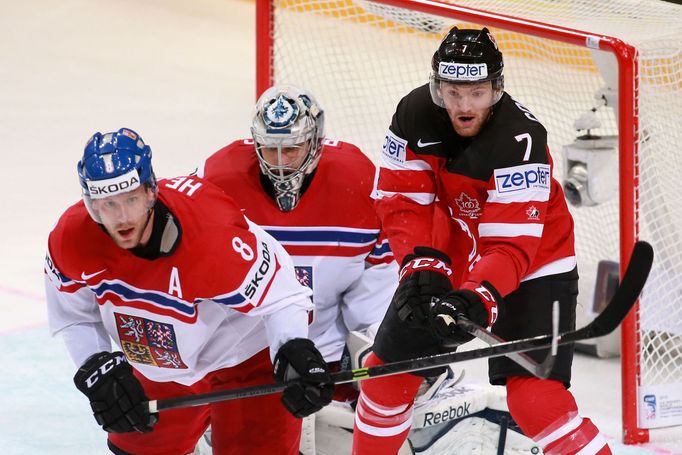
<point x="463" y="152"/>
<point x="195" y="297"/>
<point x="312" y="194"/>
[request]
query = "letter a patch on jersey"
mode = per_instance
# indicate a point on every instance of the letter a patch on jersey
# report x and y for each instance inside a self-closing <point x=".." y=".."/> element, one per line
<point x="174" y="283"/>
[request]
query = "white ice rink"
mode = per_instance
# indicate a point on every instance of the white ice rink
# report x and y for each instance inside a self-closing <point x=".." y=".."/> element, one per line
<point x="181" y="73"/>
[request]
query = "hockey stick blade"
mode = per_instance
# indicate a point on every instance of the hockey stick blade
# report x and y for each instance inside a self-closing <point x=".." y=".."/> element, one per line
<point x="540" y="370"/>
<point x="623" y="300"/>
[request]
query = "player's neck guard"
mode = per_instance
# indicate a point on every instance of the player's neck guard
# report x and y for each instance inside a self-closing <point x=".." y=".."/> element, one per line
<point x="165" y="237"/>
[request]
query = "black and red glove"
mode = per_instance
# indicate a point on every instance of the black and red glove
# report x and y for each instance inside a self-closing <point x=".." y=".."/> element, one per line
<point x="424" y="275"/>
<point x="480" y="305"/>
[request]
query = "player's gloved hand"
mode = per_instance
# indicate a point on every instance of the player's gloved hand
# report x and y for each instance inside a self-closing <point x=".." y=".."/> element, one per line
<point x="423" y="275"/>
<point x="479" y="305"/>
<point x="300" y="366"/>
<point x="116" y="396"/>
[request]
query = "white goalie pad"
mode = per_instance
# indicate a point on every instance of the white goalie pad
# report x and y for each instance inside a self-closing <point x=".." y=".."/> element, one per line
<point x="467" y="419"/>
<point x="449" y="419"/>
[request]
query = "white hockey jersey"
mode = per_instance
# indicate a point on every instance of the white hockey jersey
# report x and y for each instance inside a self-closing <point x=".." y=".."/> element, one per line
<point x="333" y="235"/>
<point x="227" y="291"/>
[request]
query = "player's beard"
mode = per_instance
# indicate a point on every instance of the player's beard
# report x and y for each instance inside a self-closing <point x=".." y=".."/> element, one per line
<point x="129" y="236"/>
<point x="469" y="128"/>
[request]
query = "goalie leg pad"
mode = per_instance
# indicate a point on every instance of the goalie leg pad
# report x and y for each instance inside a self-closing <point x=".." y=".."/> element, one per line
<point x="546" y="410"/>
<point x="466" y="418"/>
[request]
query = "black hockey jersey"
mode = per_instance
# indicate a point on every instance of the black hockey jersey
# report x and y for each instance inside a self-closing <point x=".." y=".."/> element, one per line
<point x="489" y="201"/>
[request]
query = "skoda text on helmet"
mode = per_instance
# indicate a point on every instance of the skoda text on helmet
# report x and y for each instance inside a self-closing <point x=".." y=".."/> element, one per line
<point x="288" y="120"/>
<point x="112" y="164"/>
<point x="467" y="56"/>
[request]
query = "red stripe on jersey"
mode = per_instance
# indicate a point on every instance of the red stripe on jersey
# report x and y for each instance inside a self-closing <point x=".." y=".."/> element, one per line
<point x="384" y="260"/>
<point x="406" y="181"/>
<point x="267" y="287"/>
<point x="117" y="301"/>
<point x="71" y="287"/>
<point x="327" y="250"/>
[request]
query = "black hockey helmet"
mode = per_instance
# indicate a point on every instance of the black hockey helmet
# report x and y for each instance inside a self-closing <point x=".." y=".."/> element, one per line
<point x="467" y="56"/>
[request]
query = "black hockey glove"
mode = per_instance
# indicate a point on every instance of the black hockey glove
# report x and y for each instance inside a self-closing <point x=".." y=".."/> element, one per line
<point x="480" y="306"/>
<point x="423" y="275"/>
<point x="300" y="366"/>
<point x="116" y="396"/>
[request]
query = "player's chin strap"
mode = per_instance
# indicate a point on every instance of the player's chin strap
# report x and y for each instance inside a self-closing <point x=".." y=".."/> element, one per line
<point x="621" y="303"/>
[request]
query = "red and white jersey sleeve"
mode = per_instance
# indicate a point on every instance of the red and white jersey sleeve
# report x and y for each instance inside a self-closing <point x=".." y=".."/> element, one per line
<point x="405" y="192"/>
<point x="72" y="301"/>
<point x="282" y="301"/>
<point x="333" y="235"/>
<point x="511" y="226"/>
<point x="225" y="293"/>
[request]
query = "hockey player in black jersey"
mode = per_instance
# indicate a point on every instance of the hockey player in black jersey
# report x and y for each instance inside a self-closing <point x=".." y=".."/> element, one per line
<point x="466" y="196"/>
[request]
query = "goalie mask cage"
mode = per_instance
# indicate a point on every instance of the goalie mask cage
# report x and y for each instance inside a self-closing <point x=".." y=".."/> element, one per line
<point x="359" y="57"/>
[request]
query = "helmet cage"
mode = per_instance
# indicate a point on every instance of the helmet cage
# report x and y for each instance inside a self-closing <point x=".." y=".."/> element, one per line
<point x="288" y="118"/>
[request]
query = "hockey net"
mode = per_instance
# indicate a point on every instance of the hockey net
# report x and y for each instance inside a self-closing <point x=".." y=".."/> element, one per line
<point x="360" y="57"/>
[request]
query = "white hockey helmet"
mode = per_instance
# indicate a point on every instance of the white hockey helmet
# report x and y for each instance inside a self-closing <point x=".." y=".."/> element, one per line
<point x="288" y="121"/>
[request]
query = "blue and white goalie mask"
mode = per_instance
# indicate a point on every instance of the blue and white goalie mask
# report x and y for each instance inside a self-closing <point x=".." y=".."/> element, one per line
<point x="288" y="129"/>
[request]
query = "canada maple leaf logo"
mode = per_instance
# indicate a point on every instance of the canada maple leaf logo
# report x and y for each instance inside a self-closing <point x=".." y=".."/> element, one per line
<point x="468" y="205"/>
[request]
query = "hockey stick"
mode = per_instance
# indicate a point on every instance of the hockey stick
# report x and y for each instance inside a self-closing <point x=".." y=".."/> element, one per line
<point x="623" y="300"/>
<point x="540" y="370"/>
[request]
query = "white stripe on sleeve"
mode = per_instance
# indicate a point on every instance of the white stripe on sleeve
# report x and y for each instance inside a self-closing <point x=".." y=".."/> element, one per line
<point x="518" y="196"/>
<point x="419" y="198"/>
<point x="510" y="229"/>
<point x="407" y="165"/>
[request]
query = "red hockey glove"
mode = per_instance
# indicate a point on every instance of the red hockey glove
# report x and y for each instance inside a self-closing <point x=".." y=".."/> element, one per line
<point x="424" y="274"/>
<point x="479" y="305"/>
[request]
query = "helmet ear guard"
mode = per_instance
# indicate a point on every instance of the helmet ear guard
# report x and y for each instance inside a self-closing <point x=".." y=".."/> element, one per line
<point x="287" y="117"/>
<point x="467" y="56"/>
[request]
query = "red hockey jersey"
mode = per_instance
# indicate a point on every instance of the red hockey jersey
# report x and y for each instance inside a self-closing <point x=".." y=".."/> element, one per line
<point x="204" y="307"/>
<point x="490" y="202"/>
<point x="333" y="235"/>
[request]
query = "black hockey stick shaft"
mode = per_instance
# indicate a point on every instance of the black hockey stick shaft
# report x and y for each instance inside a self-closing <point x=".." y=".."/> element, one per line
<point x="623" y="300"/>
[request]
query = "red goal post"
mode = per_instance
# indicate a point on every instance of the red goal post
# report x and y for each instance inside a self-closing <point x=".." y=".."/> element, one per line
<point x="331" y="48"/>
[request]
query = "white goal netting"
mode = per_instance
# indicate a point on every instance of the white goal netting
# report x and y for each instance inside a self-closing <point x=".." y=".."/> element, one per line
<point x="359" y="58"/>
